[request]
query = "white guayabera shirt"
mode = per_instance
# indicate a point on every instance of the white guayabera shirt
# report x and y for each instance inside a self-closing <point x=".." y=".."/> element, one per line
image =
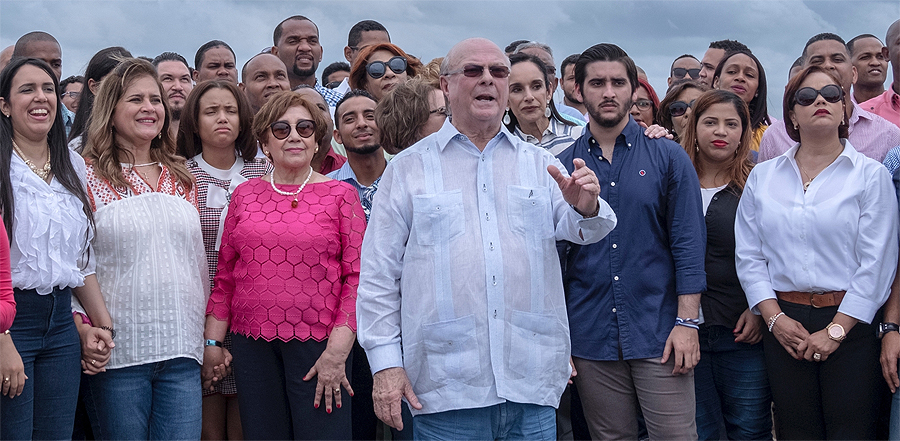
<point x="460" y="259"/>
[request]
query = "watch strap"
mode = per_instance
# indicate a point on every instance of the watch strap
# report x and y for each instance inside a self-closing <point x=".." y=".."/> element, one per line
<point x="211" y="342"/>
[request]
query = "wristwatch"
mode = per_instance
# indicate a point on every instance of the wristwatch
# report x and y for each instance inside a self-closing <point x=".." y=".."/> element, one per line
<point x="885" y="327"/>
<point x="836" y="332"/>
<point x="211" y="342"/>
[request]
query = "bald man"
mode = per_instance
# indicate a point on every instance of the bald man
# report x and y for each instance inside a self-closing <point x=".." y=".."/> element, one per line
<point x="463" y="225"/>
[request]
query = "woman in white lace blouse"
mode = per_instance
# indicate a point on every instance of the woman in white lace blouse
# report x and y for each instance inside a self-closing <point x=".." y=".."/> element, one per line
<point x="48" y="221"/>
<point x="150" y="262"/>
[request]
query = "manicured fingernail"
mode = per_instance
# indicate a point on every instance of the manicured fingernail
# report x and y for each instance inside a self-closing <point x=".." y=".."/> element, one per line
<point x="351" y="394"/>
<point x="316" y="405"/>
<point x="328" y="410"/>
<point x="338" y="406"/>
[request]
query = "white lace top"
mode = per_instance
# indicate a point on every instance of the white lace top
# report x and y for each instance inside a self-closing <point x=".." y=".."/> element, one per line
<point x="151" y="266"/>
<point x="51" y="235"/>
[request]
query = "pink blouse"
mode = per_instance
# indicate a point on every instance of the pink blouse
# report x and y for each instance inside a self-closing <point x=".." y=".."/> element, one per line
<point x="289" y="273"/>
<point x="7" y="301"/>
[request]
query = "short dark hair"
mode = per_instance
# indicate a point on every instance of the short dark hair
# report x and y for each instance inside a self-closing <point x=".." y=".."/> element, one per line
<point x="188" y="141"/>
<point x="605" y="52"/>
<point x="352" y="93"/>
<point x="170" y="56"/>
<point x="355" y="35"/>
<point x="337" y="66"/>
<point x="571" y="59"/>
<point x="71" y="80"/>
<point x="510" y="48"/>
<point x="728" y="45"/>
<point x="860" y="37"/>
<point x="100" y="65"/>
<point x="23" y="41"/>
<point x="280" y="28"/>
<point x="759" y="112"/>
<point x="198" y="58"/>
<point x="790" y="101"/>
<point x="678" y="58"/>
<point x="822" y="37"/>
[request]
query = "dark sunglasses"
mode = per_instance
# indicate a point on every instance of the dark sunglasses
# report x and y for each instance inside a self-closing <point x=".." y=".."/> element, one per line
<point x="377" y="69"/>
<point x="807" y="95"/>
<point x="679" y="72"/>
<point x="643" y="104"/>
<point x="282" y="129"/>
<point x="679" y="107"/>
<point x="475" y="71"/>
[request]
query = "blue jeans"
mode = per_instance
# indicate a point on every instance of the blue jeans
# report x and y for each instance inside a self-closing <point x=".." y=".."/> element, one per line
<point x="504" y="421"/>
<point x="46" y="339"/>
<point x="160" y="400"/>
<point x="731" y="386"/>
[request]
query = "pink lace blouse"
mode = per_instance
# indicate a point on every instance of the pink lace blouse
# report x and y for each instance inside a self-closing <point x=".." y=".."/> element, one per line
<point x="289" y="273"/>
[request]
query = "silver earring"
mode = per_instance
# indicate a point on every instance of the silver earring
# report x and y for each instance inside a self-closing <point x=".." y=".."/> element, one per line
<point x="506" y="119"/>
<point x="547" y="111"/>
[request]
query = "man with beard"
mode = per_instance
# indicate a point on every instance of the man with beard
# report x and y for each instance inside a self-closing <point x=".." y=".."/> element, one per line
<point x="326" y="159"/>
<point x="633" y="297"/>
<point x="355" y="128"/>
<point x="568" y="84"/>
<point x="870" y="134"/>
<point x="262" y="76"/>
<point x="175" y="75"/>
<point x="296" y="41"/>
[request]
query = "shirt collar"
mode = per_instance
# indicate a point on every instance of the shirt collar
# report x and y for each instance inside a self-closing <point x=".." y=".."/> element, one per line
<point x="449" y="132"/>
<point x="849" y="152"/>
<point x="630" y="131"/>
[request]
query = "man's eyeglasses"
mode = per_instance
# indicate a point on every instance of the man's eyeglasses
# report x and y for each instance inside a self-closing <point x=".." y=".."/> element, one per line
<point x="678" y="108"/>
<point x="74" y="95"/>
<point x="679" y="72"/>
<point x="377" y="69"/>
<point x="439" y="111"/>
<point x="475" y="71"/>
<point x="806" y="96"/>
<point x="282" y="129"/>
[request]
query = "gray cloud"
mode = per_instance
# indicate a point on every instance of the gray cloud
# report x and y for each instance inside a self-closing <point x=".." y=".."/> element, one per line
<point x="652" y="32"/>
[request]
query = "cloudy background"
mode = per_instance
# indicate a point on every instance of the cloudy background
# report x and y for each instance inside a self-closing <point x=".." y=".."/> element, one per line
<point x="652" y="32"/>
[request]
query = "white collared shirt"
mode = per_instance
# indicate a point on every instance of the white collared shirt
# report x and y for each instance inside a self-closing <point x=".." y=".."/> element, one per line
<point x="51" y="235"/>
<point x="469" y="239"/>
<point x="841" y="234"/>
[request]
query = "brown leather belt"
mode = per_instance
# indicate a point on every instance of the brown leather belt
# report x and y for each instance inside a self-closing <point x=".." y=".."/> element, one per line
<point x="814" y="299"/>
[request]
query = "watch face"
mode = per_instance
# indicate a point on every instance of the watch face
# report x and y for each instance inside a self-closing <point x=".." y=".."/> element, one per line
<point x="835" y="332"/>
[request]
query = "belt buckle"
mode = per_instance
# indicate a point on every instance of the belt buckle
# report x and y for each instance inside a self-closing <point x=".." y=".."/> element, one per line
<point x="812" y="297"/>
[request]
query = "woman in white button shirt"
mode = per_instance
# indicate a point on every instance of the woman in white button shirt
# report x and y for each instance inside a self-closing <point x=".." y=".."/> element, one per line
<point x="48" y="221"/>
<point x="816" y="251"/>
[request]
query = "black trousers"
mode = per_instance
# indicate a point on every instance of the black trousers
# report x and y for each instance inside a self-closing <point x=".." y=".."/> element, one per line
<point x="834" y="399"/>
<point x="275" y="402"/>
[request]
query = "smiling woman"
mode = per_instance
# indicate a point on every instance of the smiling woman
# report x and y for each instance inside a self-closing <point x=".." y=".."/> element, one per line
<point x="286" y="284"/>
<point x="742" y="73"/>
<point x="150" y="261"/>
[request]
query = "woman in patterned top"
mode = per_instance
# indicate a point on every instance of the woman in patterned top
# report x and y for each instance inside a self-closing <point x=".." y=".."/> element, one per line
<point x="531" y="114"/>
<point x="286" y="284"/>
<point x="150" y="261"/>
<point x="215" y="135"/>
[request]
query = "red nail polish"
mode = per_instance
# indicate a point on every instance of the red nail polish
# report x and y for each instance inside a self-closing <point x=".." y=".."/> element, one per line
<point x="351" y="394"/>
<point x="338" y="406"/>
<point x="316" y="405"/>
<point x="328" y="410"/>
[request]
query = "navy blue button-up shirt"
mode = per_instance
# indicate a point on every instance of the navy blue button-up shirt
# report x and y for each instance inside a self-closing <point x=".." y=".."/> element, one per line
<point x="622" y="292"/>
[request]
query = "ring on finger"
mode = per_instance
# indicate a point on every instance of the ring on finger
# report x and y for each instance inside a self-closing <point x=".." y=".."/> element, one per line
<point x="337" y="390"/>
<point x="93" y="362"/>
<point x="6" y="380"/>
<point x="817" y="356"/>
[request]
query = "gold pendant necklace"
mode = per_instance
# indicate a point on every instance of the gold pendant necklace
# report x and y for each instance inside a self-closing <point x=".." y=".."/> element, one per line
<point x="44" y="172"/>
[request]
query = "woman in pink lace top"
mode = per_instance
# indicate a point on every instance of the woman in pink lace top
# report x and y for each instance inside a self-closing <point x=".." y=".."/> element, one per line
<point x="286" y="284"/>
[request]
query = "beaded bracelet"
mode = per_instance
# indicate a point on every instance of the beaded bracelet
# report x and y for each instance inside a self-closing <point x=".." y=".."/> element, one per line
<point x="688" y="323"/>
<point x="773" y="319"/>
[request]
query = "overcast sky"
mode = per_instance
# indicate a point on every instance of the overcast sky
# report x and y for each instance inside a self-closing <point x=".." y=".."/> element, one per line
<point x="652" y="32"/>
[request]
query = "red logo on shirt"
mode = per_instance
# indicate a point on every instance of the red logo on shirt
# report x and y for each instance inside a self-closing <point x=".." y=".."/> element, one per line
<point x="642" y="173"/>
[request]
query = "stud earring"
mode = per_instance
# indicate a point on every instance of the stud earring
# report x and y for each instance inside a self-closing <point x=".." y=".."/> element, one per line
<point x="506" y="119"/>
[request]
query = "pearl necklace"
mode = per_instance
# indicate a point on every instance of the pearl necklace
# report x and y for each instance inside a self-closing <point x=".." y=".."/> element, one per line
<point x="44" y="172"/>
<point x="287" y="193"/>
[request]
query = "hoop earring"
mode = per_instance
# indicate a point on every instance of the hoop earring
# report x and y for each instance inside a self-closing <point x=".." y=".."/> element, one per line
<point x="506" y="119"/>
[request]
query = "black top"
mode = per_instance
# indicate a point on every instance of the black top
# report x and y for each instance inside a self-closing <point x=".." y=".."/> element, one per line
<point x="723" y="301"/>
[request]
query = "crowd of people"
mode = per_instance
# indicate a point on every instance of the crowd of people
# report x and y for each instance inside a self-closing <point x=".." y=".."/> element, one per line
<point x="440" y="250"/>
